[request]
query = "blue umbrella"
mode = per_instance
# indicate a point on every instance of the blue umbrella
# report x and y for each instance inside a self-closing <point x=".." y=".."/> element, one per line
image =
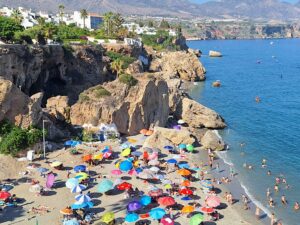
<point x="139" y="170"/>
<point x="168" y="147"/>
<point x="186" y="198"/>
<point x="138" y="154"/>
<point x="78" y="188"/>
<point x="145" y="200"/>
<point x="133" y="206"/>
<point x="68" y="143"/>
<point x="182" y="146"/>
<point x="126" y="165"/>
<point x="42" y="170"/>
<point x="125" y="145"/>
<point x="82" y="198"/>
<point x="85" y="205"/>
<point x="74" y="143"/>
<point x="172" y="161"/>
<point x="72" y="182"/>
<point x="105" y="186"/>
<point x="131" y="217"/>
<point x="183" y="165"/>
<point x="105" y="150"/>
<point x="80" y="168"/>
<point x="71" y="222"/>
<point x="157" y="213"/>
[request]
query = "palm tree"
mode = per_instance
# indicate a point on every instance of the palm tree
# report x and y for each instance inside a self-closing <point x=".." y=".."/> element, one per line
<point x="108" y="18"/>
<point x="83" y="15"/>
<point x="61" y="12"/>
<point x="117" y="66"/>
<point x="17" y="16"/>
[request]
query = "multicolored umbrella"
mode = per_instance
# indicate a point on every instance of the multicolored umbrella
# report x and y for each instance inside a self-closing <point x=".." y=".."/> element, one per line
<point x="133" y="206"/>
<point x="132" y="172"/>
<point x="107" y="154"/>
<point x="172" y="161"/>
<point x="213" y="201"/>
<point x="186" y="183"/>
<point x="87" y="158"/>
<point x="108" y="217"/>
<point x="157" y="213"/>
<point x="81" y="176"/>
<point x="145" y="200"/>
<point x="182" y="146"/>
<point x="72" y="182"/>
<point x="56" y="164"/>
<point x="105" y="186"/>
<point x="126" y="165"/>
<point x="78" y="188"/>
<point x="168" y="186"/>
<point x="80" y="168"/>
<point x="166" y="201"/>
<point x="124" y="186"/>
<point x="196" y="219"/>
<point x="116" y="172"/>
<point x="190" y="148"/>
<point x="98" y="156"/>
<point x="126" y="152"/>
<point x="166" y="221"/>
<point x="82" y="198"/>
<point x="131" y="217"/>
<point x="66" y="211"/>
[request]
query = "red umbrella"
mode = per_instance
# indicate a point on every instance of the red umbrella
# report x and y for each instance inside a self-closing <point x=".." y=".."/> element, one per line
<point x="124" y="186"/>
<point x="4" y="195"/>
<point x="207" y="210"/>
<point x="166" y="201"/>
<point x="213" y="201"/>
<point x="167" y="221"/>
<point x="87" y="158"/>
<point x="156" y="193"/>
<point x="186" y="191"/>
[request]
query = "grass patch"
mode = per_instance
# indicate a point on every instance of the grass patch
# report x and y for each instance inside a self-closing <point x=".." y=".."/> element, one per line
<point x="127" y="60"/>
<point x="128" y="79"/>
<point x="83" y="97"/>
<point x="100" y="92"/>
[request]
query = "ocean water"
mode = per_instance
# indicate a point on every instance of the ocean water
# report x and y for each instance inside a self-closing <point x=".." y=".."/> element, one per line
<point x="269" y="69"/>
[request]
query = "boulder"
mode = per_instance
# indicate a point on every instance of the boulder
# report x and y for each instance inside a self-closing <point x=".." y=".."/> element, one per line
<point x="213" y="141"/>
<point x="196" y="52"/>
<point x="183" y="65"/>
<point x="164" y="136"/>
<point x="135" y="67"/>
<point x="198" y="116"/>
<point x="215" y="54"/>
<point x="58" y="107"/>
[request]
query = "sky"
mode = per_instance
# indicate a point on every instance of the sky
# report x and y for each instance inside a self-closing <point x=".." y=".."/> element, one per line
<point x="201" y="1"/>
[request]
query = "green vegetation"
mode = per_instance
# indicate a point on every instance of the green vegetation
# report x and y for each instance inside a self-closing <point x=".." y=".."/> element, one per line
<point x="83" y="97"/>
<point x="87" y="136"/>
<point x="128" y="79"/>
<point x="14" y="139"/>
<point x="83" y="15"/>
<point x="162" y="40"/>
<point x="8" y="27"/>
<point x="127" y="60"/>
<point x="100" y="91"/>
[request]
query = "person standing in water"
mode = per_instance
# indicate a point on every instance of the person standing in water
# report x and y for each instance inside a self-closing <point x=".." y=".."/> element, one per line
<point x="283" y="200"/>
<point x="257" y="213"/>
<point x="268" y="193"/>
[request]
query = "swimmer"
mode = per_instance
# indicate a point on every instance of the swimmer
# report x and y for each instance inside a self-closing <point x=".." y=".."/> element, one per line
<point x="268" y="193"/>
<point x="296" y="206"/>
<point x="263" y="163"/>
<point x="271" y="202"/>
<point x="269" y="173"/>
<point x="276" y="188"/>
<point x="283" y="200"/>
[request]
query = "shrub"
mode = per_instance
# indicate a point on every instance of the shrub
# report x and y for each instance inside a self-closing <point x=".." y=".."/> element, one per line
<point x="5" y="127"/>
<point x="127" y="60"/>
<point x="83" y="97"/>
<point x="33" y="136"/>
<point x="128" y="79"/>
<point x="101" y="92"/>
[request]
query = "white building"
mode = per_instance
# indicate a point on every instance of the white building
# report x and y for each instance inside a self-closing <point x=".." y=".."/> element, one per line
<point x="92" y="22"/>
<point x="134" y="27"/>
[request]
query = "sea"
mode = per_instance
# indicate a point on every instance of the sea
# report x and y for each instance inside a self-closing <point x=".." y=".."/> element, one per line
<point x="268" y="69"/>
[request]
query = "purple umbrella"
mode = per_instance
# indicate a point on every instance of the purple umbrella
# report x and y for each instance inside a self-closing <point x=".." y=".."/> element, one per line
<point x="133" y="206"/>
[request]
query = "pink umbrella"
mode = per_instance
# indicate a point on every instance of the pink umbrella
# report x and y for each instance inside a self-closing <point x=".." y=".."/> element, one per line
<point x="213" y="201"/>
<point x="156" y="193"/>
<point x="116" y="172"/>
<point x="132" y="172"/>
<point x="153" y="156"/>
<point x="167" y="221"/>
<point x="107" y="154"/>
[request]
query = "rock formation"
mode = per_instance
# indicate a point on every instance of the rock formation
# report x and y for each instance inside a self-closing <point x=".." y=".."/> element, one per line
<point x="58" y="107"/>
<point x="213" y="141"/>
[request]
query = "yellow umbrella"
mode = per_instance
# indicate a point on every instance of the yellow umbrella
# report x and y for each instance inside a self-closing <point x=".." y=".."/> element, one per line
<point x="126" y="152"/>
<point x="130" y="140"/>
<point x="81" y="176"/>
<point x="98" y="156"/>
<point x="188" y="209"/>
<point x="108" y="217"/>
<point x="56" y="164"/>
<point x="136" y="163"/>
<point x="118" y="165"/>
<point x="168" y="186"/>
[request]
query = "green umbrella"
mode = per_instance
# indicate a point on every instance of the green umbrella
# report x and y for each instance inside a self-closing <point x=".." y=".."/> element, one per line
<point x="196" y="219"/>
<point x="190" y="148"/>
<point x="105" y="186"/>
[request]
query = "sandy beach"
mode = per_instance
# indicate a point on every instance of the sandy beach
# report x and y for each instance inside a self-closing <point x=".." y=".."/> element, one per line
<point x="59" y="196"/>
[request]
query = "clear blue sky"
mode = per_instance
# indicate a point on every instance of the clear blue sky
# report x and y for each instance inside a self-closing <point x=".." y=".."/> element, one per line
<point x="201" y="1"/>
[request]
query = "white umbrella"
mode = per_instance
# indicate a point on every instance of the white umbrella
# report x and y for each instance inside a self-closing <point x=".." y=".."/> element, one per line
<point x="145" y="176"/>
<point x="153" y="163"/>
<point x="154" y="169"/>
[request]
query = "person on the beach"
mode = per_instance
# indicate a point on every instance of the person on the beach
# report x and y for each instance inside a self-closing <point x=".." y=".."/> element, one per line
<point x="257" y="213"/>
<point x="273" y="219"/>
<point x="283" y="200"/>
<point x="210" y="163"/>
<point x="276" y="188"/>
<point x="296" y="206"/>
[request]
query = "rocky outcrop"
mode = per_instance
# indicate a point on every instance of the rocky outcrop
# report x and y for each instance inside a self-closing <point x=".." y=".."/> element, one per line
<point x="164" y="136"/>
<point x="181" y="64"/>
<point x="59" y="107"/>
<point x="213" y="141"/>
<point x="198" y="116"/>
<point x="132" y="50"/>
<point x="131" y="109"/>
<point x="196" y="52"/>
<point x="135" y="67"/>
<point x="215" y="54"/>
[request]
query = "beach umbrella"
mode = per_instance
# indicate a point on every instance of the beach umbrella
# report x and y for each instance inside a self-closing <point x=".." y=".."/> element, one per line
<point x="153" y="162"/>
<point x="207" y="210"/>
<point x="137" y="153"/>
<point x="190" y="148"/>
<point x="182" y="146"/>
<point x="82" y="198"/>
<point x="206" y="184"/>
<point x="181" y="122"/>
<point x="81" y="176"/>
<point x="4" y="195"/>
<point x="155" y="193"/>
<point x="166" y="201"/>
<point x="72" y="182"/>
<point x="157" y="213"/>
<point x="177" y="127"/>
<point x="42" y="170"/>
<point x="126" y="152"/>
<point x="98" y="156"/>
<point x="166" y="221"/>
<point x="168" y="186"/>
<point x="116" y="172"/>
<point x="131" y="140"/>
<point x="85" y="205"/>
<point x="154" y="169"/>
<point x="186" y="198"/>
<point x="132" y="172"/>
<point x="145" y="175"/>
<point x="145" y="200"/>
<point x="168" y="147"/>
<point x="143" y="131"/>
<point x="126" y="165"/>
<point x="87" y="158"/>
<point x="172" y="161"/>
<point x="73" y="221"/>
<point x="196" y="219"/>
<point x="105" y="186"/>
<point x="107" y="154"/>
<point x="80" y="168"/>
<point x="213" y="201"/>
<point x="125" y="145"/>
<point x="66" y="211"/>
<point x="188" y="209"/>
<point x="186" y="191"/>
<point x="105" y="150"/>
<point x="131" y="217"/>
<point x="186" y="183"/>
<point x="184" y="166"/>
<point x="108" y="217"/>
<point x="36" y="188"/>
<point x="124" y="186"/>
<point x="159" y="176"/>
<point x="78" y="188"/>
<point x="133" y="206"/>
<point x="56" y="164"/>
<point x="184" y="172"/>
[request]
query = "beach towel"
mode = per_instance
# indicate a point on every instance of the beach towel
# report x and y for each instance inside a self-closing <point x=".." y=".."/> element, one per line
<point x="50" y="180"/>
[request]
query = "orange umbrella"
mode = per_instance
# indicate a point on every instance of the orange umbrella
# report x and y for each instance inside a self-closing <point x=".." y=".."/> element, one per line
<point x="87" y="158"/>
<point x="66" y="211"/>
<point x="184" y="172"/>
<point x="149" y="132"/>
<point x="143" y="131"/>
<point x="186" y="183"/>
<point x="188" y="209"/>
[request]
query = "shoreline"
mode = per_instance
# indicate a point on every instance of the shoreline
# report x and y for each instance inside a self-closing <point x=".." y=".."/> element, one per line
<point x="241" y="39"/>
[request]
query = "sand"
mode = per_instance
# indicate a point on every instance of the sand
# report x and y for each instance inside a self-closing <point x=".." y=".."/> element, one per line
<point x="60" y="197"/>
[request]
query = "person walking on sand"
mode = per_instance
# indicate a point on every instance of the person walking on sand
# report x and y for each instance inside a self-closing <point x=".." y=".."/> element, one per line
<point x="257" y="213"/>
<point x="218" y="167"/>
<point x="273" y="219"/>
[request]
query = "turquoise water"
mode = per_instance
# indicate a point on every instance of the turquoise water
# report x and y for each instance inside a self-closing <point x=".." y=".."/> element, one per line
<point x="269" y="129"/>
